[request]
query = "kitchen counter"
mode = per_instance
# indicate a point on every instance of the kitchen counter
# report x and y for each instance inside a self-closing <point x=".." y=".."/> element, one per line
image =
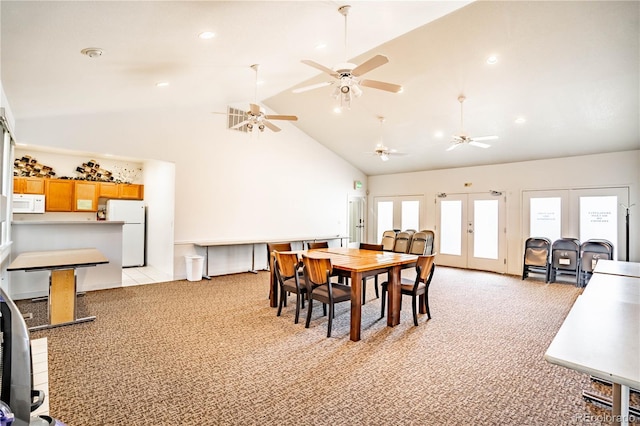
<point x="42" y="235"/>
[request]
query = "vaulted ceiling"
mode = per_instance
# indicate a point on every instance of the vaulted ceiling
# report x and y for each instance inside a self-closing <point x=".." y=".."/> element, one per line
<point x="568" y="70"/>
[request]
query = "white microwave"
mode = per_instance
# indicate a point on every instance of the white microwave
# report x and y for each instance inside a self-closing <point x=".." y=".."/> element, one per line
<point x="28" y="203"/>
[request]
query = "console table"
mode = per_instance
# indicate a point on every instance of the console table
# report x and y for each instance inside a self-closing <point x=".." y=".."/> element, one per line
<point x="61" y="265"/>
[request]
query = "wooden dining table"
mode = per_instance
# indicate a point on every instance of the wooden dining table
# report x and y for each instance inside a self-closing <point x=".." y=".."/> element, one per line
<point x="357" y="264"/>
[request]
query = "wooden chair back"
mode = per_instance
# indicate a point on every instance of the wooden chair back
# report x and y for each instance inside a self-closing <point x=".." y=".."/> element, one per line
<point x="286" y="264"/>
<point x="317" y="244"/>
<point x="375" y="247"/>
<point x="316" y="271"/>
<point x="424" y="266"/>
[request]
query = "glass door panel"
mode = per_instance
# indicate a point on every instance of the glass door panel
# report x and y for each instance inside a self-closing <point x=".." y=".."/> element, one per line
<point x="398" y="213"/>
<point x="385" y="218"/>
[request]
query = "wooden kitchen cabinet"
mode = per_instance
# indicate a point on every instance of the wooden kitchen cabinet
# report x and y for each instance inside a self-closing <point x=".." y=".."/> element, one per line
<point x="108" y="190"/>
<point x="128" y="191"/>
<point x="85" y="196"/>
<point x="28" y="185"/>
<point x="58" y="195"/>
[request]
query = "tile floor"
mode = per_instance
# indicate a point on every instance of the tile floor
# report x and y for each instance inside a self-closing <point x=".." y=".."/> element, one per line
<point x="143" y="275"/>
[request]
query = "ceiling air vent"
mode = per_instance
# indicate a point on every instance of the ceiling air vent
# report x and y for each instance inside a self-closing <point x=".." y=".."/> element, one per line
<point x="236" y="116"/>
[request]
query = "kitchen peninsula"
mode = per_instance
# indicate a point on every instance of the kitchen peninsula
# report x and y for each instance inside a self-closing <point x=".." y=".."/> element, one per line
<point x="41" y="235"/>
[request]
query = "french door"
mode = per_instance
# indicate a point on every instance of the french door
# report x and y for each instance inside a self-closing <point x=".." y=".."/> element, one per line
<point x="402" y="212"/>
<point x="470" y="231"/>
<point x="578" y="213"/>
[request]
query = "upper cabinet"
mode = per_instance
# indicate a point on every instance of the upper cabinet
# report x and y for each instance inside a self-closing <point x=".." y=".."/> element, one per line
<point x="28" y="185"/>
<point x="68" y="195"/>
<point x="130" y="191"/>
<point x="85" y="196"/>
<point x="58" y="195"/>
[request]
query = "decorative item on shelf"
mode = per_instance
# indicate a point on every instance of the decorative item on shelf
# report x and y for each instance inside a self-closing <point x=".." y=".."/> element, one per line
<point x="28" y="166"/>
<point x="91" y="171"/>
<point x="101" y="214"/>
<point x="126" y="174"/>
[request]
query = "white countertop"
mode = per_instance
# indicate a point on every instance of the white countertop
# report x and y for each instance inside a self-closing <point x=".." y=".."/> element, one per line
<point x="67" y="222"/>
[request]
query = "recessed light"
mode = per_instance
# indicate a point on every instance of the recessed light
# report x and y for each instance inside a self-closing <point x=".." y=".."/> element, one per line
<point x="321" y="45"/>
<point x="207" y="35"/>
<point x="162" y="84"/>
<point x="438" y="134"/>
<point x="337" y="110"/>
<point x="92" y="52"/>
<point x="492" y="59"/>
<point x="520" y="120"/>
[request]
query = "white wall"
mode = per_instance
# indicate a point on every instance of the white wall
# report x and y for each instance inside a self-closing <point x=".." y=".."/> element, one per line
<point x="591" y="171"/>
<point x="228" y="185"/>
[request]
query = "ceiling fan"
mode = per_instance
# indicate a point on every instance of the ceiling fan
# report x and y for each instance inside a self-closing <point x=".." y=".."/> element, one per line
<point x="383" y="151"/>
<point x="347" y="75"/>
<point x="462" y="137"/>
<point x="256" y="117"/>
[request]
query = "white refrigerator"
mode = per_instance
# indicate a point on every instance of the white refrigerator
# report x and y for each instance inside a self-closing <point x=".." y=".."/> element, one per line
<point x="132" y="213"/>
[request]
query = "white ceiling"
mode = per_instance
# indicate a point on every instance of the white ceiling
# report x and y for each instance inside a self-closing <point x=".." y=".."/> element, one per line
<point x="571" y="69"/>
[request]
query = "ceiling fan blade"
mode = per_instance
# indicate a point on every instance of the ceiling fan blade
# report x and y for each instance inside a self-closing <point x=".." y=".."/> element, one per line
<point x="458" y="138"/>
<point x="281" y="117"/>
<point x="320" y="67"/>
<point x="271" y="126"/>
<point x="254" y="109"/>
<point x="485" y="138"/>
<point x="479" y="144"/>
<point x="389" y="87"/>
<point x="452" y="147"/>
<point x="369" y="65"/>
<point x="242" y="123"/>
<point x="313" y="86"/>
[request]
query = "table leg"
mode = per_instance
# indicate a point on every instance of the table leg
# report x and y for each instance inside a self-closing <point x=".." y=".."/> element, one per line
<point x="356" y="305"/>
<point x="395" y="297"/>
<point x="62" y="296"/>
<point x="620" y="408"/>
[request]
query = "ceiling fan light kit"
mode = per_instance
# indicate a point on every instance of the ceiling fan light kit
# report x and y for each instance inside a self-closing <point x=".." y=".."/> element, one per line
<point x="347" y="75"/>
<point x="256" y="118"/>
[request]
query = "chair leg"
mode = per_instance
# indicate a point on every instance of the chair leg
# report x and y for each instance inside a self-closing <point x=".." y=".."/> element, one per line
<point x="298" y="297"/>
<point x="384" y="298"/>
<point x="414" y="305"/>
<point x="283" y="299"/>
<point x="330" y="320"/>
<point x="375" y="281"/>
<point x="324" y="309"/>
<point x="426" y="303"/>
<point x="309" y="313"/>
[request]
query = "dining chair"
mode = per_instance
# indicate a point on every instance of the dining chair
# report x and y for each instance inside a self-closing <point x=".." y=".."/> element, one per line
<point x="537" y="252"/>
<point x="317" y="275"/>
<point x="425" y="266"/>
<point x="375" y="247"/>
<point x="286" y="267"/>
<point x="418" y="243"/>
<point x="430" y="238"/>
<point x="271" y="247"/>
<point x="317" y="245"/>
<point x="388" y="240"/>
<point x="590" y="252"/>
<point x="565" y="258"/>
<point x="403" y="239"/>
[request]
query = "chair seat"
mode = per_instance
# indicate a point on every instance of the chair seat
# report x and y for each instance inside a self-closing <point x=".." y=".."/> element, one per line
<point x="406" y="286"/>
<point x="291" y="287"/>
<point x="340" y="292"/>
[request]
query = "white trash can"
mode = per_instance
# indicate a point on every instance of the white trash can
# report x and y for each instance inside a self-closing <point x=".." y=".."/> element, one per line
<point x="194" y="267"/>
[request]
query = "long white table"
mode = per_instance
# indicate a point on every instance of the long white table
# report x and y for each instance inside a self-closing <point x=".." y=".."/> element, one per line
<point x="614" y="267"/>
<point x="217" y="243"/>
<point x="601" y="337"/>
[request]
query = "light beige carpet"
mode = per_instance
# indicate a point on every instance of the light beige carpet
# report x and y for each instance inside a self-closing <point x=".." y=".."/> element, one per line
<point x="214" y="353"/>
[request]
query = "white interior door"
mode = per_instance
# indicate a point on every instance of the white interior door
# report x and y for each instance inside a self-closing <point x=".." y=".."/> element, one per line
<point x="471" y="231"/>
<point x="356" y="219"/>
